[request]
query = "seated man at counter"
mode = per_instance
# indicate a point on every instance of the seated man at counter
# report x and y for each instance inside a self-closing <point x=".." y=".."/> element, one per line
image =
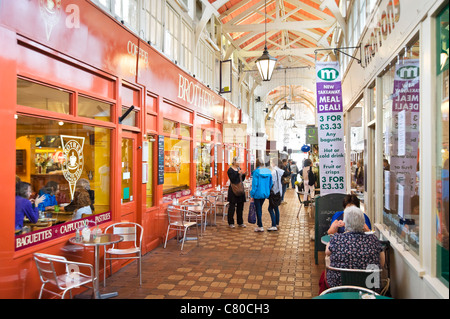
<point x="25" y="206"/>
<point x="337" y="223"/>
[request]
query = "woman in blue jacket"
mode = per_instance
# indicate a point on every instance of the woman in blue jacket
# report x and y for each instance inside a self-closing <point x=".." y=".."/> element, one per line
<point x="261" y="184"/>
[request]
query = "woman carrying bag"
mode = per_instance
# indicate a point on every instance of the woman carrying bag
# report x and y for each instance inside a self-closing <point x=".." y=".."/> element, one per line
<point x="275" y="194"/>
<point x="236" y="194"/>
<point x="261" y="186"/>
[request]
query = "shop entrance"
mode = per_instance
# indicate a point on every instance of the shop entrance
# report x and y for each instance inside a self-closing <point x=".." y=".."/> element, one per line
<point x="128" y="176"/>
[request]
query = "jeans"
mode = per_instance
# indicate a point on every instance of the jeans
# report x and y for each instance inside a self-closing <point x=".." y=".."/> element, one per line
<point x="283" y="190"/>
<point x="258" y="205"/>
<point x="293" y="180"/>
<point x="239" y="209"/>
<point x="274" y="215"/>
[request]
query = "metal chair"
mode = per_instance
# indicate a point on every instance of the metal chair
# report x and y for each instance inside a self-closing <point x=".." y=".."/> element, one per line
<point x="299" y="195"/>
<point x="49" y="268"/>
<point x="348" y="289"/>
<point x="359" y="277"/>
<point x="132" y="233"/>
<point x="222" y="203"/>
<point x="177" y="222"/>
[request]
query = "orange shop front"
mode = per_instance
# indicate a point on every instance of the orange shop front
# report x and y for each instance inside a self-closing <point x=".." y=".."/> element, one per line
<point x="62" y="85"/>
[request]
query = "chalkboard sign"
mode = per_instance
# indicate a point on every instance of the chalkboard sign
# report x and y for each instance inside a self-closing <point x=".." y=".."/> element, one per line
<point x="326" y="207"/>
<point x="160" y="159"/>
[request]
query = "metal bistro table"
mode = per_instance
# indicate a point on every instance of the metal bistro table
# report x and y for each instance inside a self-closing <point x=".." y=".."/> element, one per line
<point x="346" y="295"/>
<point x="101" y="240"/>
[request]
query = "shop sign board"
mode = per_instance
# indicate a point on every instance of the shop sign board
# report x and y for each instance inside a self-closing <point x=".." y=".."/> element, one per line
<point x="51" y="233"/>
<point x="330" y="128"/>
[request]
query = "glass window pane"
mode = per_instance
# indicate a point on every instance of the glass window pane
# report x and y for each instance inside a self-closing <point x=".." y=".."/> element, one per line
<point x="442" y="149"/>
<point x="203" y="162"/>
<point x="401" y="112"/>
<point x="127" y="170"/>
<point x="185" y="130"/>
<point x="357" y="149"/>
<point x="169" y="127"/>
<point x="94" y="109"/>
<point x="177" y="154"/>
<point x="42" y="97"/>
<point x="131" y="119"/>
<point x="65" y="162"/>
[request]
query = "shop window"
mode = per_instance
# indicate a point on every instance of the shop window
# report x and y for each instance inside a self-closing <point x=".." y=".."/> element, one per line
<point x="185" y="130"/>
<point x="169" y="127"/>
<point x="203" y="159"/>
<point x="358" y="176"/>
<point x="94" y="109"/>
<point x="442" y="147"/>
<point x="66" y="162"/>
<point x="372" y="103"/>
<point x="177" y="154"/>
<point x="401" y="113"/>
<point x="127" y="170"/>
<point x="131" y="119"/>
<point x="42" y="97"/>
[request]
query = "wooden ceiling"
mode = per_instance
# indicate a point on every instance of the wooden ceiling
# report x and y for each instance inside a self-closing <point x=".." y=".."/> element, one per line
<point x="295" y="28"/>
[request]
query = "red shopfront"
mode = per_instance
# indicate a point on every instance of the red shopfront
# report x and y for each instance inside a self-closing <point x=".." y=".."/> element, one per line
<point x="64" y="82"/>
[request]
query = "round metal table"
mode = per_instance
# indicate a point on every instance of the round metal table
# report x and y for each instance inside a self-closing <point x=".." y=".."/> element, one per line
<point x="100" y="240"/>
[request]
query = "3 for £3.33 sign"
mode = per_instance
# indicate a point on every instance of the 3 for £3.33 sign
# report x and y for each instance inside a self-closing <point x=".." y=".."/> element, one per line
<point x="330" y="128"/>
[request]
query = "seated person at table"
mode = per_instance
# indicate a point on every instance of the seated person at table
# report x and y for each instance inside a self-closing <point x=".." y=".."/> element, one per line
<point x="83" y="202"/>
<point x="82" y="183"/>
<point x="353" y="249"/>
<point x="25" y="206"/>
<point x="337" y="223"/>
<point x="49" y="193"/>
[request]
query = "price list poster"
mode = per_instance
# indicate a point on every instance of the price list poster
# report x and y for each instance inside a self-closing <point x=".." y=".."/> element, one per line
<point x="330" y="118"/>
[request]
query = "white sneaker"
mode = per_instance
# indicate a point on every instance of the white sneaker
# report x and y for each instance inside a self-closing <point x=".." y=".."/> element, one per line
<point x="242" y="225"/>
<point x="259" y="229"/>
<point x="231" y="226"/>
<point x="272" y="228"/>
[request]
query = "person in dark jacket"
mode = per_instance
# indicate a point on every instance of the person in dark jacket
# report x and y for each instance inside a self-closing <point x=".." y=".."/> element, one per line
<point x="236" y="202"/>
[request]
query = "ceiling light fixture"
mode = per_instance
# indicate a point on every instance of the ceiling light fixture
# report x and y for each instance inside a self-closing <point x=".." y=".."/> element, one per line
<point x="266" y="62"/>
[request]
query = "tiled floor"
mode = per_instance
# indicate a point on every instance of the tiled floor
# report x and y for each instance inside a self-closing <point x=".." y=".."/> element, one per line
<point x="231" y="263"/>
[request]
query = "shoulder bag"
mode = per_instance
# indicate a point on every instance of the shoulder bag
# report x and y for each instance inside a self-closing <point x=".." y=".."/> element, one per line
<point x="238" y="189"/>
<point x="275" y="199"/>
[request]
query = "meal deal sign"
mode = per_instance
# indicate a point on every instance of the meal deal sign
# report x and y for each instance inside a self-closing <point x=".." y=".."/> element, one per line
<point x="330" y="128"/>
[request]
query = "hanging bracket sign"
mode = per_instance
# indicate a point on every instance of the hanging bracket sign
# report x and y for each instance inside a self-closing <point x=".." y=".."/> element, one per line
<point x="330" y="128"/>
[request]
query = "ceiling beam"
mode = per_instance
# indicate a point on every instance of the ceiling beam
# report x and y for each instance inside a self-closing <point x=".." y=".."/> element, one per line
<point x="278" y="26"/>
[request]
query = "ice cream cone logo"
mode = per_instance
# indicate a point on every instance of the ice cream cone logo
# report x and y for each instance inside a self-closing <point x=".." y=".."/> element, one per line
<point x="50" y="12"/>
<point x="73" y="163"/>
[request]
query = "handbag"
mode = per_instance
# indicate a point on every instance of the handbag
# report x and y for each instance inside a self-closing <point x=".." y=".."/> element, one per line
<point x="274" y="199"/>
<point x="252" y="213"/>
<point x="238" y="189"/>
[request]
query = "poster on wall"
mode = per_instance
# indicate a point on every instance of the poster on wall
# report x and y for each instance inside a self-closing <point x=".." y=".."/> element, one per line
<point x="330" y="128"/>
<point x="405" y="127"/>
<point x="160" y="159"/>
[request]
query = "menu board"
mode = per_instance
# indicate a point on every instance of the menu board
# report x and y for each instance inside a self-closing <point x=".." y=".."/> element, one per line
<point x="160" y="159"/>
<point x="331" y="129"/>
<point x="326" y="206"/>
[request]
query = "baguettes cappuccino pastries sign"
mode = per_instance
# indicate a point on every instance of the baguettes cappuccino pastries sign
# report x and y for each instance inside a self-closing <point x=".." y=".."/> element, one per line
<point x="330" y="128"/>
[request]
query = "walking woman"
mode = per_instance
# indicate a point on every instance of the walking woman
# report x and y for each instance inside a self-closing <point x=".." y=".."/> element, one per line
<point x="236" y="194"/>
<point x="277" y="174"/>
<point x="261" y="185"/>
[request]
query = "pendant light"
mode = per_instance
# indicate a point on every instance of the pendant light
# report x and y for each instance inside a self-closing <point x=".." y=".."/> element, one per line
<point x="266" y="63"/>
<point x="285" y="109"/>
